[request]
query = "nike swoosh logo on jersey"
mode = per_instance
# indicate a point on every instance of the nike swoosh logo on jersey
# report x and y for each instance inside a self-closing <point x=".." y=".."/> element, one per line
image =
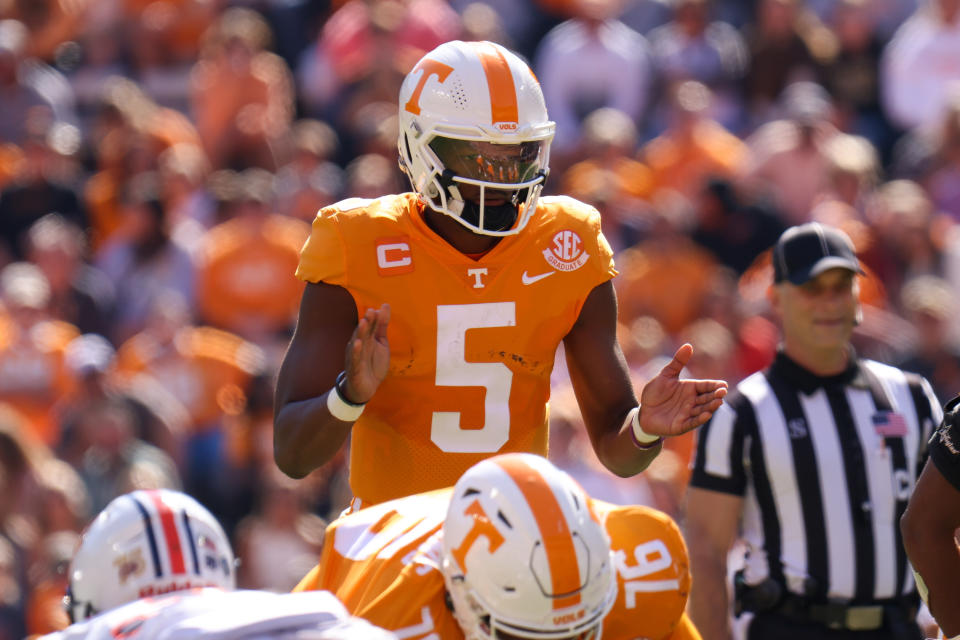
<point x="528" y="279"/>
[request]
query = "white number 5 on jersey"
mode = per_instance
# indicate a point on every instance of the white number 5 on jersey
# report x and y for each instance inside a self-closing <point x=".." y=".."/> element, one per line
<point x="453" y="370"/>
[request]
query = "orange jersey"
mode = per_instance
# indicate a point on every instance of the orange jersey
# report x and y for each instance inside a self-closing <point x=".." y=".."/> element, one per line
<point x="243" y="275"/>
<point x="383" y="563"/>
<point x="472" y="342"/>
<point x="33" y="374"/>
<point x="206" y="369"/>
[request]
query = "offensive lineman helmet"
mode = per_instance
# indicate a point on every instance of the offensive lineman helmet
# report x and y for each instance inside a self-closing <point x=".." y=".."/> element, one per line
<point x="523" y="555"/>
<point x="147" y="543"/>
<point x="473" y="119"/>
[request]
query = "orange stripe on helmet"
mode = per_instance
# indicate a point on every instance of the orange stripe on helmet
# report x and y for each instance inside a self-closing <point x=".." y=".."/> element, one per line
<point x="503" y="93"/>
<point x="558" y="543"/>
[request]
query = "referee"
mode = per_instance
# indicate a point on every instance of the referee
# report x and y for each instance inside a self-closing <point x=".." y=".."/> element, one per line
<point x="811" y="463"/>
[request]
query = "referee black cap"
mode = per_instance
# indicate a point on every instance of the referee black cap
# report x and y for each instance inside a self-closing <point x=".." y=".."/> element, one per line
<point x="807" y="250"/>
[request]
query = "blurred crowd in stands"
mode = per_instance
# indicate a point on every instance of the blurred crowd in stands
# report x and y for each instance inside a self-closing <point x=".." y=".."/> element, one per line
<point x="160" y="162"/>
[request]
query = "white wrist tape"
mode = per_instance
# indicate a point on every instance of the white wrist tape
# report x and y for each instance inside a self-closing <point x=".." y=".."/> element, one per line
<point x="339" y="407"/>
<point x="641" y="438"/>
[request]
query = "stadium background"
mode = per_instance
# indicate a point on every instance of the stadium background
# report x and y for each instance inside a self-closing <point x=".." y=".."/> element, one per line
<point x="160" y="161"/>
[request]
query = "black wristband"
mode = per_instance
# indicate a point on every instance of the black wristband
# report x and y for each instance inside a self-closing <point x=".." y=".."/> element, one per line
<point x="339" y="386"/>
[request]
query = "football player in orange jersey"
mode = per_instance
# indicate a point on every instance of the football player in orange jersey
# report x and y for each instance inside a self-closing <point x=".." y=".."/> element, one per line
<point x="515" y="549"/>
<point x="483" y="280"/>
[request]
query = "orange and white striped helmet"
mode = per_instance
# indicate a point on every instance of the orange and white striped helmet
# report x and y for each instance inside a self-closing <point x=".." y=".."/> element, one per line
<point x="475" y="136"/>
<point x="147" y="543"/>
<point x="523" y="555"/>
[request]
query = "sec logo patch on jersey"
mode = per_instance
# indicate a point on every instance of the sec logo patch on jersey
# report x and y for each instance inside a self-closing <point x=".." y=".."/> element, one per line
<point x="566" y="252"/>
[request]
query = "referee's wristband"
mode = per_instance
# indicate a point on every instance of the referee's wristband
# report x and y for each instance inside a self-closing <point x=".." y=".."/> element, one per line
<point x="641" y="439"/>
<point x="338" y="405"/>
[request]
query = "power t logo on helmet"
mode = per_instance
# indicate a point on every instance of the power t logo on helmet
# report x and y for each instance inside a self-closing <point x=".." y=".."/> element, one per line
<point x="542" y="570"/>
<point x="475" y="136"/>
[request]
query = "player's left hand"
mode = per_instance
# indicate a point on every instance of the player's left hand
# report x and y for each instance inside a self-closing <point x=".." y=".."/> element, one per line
<point x="670" y="406"/>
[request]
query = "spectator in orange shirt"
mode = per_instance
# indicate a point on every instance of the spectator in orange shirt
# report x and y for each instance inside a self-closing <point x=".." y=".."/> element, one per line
<point x="164" y="39"/>
<point x="129" y="134"/>
<point x="369" y="175"/>
<point x="61" y="510"/>
<point x="206" y="369"/>
<point x="244" y="262"/>
<point x="49" y="581"/>
<point x="241" y="94"/>
<point x="33" y="374"/>
<point x="693" y="147"/>
<point x="609" y="177"/>
<point x="666" y="275"/>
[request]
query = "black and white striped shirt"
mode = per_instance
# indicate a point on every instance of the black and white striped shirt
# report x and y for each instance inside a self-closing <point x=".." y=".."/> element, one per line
<point x="826" y="467"/>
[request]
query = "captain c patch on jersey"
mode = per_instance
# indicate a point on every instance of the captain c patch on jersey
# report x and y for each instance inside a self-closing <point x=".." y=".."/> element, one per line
<point x="394" y="256"/>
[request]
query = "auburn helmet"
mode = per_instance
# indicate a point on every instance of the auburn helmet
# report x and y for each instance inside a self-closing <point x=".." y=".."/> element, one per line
<point x="147" y="543"/>
<point x="475" y="136"/>
<point x="523" y="555"/>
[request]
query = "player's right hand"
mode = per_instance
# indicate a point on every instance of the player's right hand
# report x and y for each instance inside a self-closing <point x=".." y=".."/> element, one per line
<point x="367" y="355"/>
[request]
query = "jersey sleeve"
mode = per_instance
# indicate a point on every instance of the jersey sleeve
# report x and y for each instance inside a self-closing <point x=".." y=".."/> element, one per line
<point x="718" y="464"/>
<point x="604" y="250"/>
<point x="323" y="256"/>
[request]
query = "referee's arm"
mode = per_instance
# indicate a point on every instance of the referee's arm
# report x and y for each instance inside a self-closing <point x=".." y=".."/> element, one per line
<point x="714" y="502"/>
<point x="711" y="527"/>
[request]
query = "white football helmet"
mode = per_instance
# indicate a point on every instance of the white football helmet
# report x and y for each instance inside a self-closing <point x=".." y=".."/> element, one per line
<point x="473" y="118"/>
<point x="523" y="555"/>
<point x="147" y="543"/>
